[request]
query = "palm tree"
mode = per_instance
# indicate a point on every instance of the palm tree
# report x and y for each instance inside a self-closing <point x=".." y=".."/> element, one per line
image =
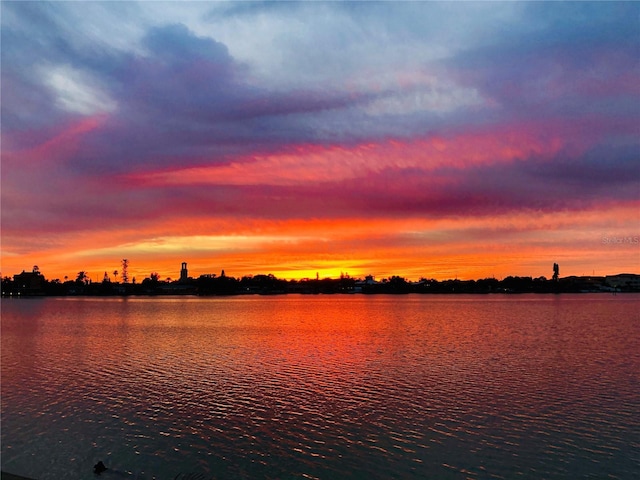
<point x="125" y="266"/>
<point x="115" y="274"/>
<point x="82" y="277"/>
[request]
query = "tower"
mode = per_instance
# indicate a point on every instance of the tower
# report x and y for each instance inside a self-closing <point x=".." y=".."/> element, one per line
<point x="184" y="274"/>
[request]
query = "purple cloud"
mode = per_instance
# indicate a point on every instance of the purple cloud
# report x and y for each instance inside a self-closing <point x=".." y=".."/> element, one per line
<point x="85" y="111"/>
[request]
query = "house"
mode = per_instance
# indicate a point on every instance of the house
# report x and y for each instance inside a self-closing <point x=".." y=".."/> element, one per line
<point x="29" y="283"/>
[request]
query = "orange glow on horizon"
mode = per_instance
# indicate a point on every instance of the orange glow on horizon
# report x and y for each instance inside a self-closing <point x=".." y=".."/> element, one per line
<point x="449" y="153"/>
<point x="433" y="248"/>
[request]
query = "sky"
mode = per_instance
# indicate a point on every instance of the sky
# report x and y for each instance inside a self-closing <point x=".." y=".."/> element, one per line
<point x="438" y="140"/>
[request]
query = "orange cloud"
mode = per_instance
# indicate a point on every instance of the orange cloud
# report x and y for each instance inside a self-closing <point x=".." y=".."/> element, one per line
<point x="307" y="164"/>
<point x="515" y="244"/>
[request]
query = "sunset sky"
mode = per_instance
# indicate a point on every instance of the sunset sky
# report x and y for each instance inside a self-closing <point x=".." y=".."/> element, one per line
<point x="434" y="140"/>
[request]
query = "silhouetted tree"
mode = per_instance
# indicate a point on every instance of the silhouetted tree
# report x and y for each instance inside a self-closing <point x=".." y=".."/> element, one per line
<point x="125" y="273"/>
<point x="396" y="284"/>
<point x="7" y="285"/>
<point x="82" y="277"/>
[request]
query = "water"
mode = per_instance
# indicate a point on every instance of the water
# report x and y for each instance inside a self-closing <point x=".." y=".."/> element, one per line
<point x="370" y="387"/>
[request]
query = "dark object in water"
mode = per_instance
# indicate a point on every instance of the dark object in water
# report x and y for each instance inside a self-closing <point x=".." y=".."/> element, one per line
<point x="99" y="468"/>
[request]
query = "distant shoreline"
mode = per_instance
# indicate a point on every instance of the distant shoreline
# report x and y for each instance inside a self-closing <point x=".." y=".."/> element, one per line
<point x="282" y="294"/>
<point x="35" y="284"/>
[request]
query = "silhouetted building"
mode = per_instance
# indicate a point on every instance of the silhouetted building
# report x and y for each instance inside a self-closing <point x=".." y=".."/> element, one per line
<point x="361" y="286"/>
<point x="184" y="274"/>
<point x="29" y="283"/>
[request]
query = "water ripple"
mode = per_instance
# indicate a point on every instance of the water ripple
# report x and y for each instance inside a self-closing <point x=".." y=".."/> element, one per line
<point x="322" y="387"/>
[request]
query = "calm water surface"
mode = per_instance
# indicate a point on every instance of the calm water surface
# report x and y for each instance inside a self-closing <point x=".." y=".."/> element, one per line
<point x="370" y="387"/>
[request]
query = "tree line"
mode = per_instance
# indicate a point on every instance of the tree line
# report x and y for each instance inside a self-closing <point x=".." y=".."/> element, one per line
<point x="34" y="283"/>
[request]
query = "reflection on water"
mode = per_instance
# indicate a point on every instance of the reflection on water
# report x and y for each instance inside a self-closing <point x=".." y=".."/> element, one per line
<point x="323" y="387"/>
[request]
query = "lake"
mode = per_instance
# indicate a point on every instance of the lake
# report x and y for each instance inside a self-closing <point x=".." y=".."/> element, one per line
<point x="325" y="386"/>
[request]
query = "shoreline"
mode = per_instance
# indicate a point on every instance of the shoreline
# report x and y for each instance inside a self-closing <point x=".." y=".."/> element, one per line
<point x="329" y="293"/>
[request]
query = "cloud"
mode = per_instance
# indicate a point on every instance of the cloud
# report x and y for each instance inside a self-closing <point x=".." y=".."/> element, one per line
<point x="130" y="118"/>
<point x="361" y="42"/>
<point x="560" y="67"/>
<point x="188" y="98"/>
<point x="76" y="91"/>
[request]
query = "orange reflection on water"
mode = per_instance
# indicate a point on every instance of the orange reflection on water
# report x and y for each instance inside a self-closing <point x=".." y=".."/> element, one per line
<point x="288" y="381"/>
